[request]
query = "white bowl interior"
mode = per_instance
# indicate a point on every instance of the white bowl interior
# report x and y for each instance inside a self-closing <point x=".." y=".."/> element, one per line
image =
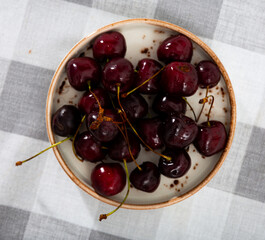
<point x="140" y="36"/>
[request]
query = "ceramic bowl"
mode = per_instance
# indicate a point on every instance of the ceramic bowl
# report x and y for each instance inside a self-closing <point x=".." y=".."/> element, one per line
<point x="143" y="37"/>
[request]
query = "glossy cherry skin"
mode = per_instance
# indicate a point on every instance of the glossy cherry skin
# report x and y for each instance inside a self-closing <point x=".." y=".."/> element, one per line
<point x="147" y="179"/>
<point x="134" y="106"/>
<point x="109" y="45"/>
<point x="88" y="103"/>
<point x="178" y="165"/>
<point x="118" y="71"/>
<point x="208" y="74"/>
<point x="66" y="120"/>
<point x="107" y="130"/>
<point x="89" y="148"/>
<point x="108" y="179"/>
<point x="177" y="48"/>
<point x="149" y="130"/>
<point x="118" y="149"/>
<point x="82" y="70"/>
<point x="211" y="139"/>
<point x="179" y="78"/>
<point x="166" y="104"/>
<point x="179" y="131"/>
<point x="147" y="68"/>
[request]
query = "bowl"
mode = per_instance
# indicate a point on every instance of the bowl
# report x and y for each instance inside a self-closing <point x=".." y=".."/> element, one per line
<point x="143" y="36"/>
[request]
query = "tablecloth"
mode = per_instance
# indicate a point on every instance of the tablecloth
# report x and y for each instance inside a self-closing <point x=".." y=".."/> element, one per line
<point x="39" y="201"/>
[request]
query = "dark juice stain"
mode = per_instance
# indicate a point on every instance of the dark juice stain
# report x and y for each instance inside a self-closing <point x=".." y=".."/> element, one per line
<point x="143" y="37"/>
<point x="182" y="185"/>
<point x="154" y="41"/>
<point x="200" y="93"/>
<point x="225" y="123"/>
<point x="217" y="88"/>
<point x="151" y="47"/>
<point x="203" y="157"/>
<point x="171" y="185"/>
<point x="58" y="100"/>
<point x="210" y="91"/>
<point x="178" y="190"/>
<point x="144" y="50"/>
<point x="223" y="92"/>
<point x="176" y="182"/>
<point x="30" y="51"/>
<point x="193" y="150"/>
<point x="225" y="110"/>
<point x="196" y="164"/>
<point x="71" y="102"/>
<point x="187" y="177"/>
<point x="61" y="87"/>
<point x="194" y="168"/>
<point x="65" y="78"/>
<point x="158" y="31"/>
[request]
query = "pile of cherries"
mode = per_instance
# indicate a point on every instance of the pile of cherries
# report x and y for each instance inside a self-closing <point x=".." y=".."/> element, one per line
<point x="115" y="113"/>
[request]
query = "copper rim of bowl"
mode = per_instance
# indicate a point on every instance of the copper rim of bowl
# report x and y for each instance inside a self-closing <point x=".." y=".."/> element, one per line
<point x="232" y="122"/>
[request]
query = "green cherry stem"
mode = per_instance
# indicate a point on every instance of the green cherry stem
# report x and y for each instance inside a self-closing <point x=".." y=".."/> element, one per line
<point x="191" y="108"/>
<point x="104" y="216"/>
<point x="124" y="95"/>
<point x="206" y="94"/>
<point x="55" y="144"/>
<point x="74" y="137"/>
<point x="134" y="130"/>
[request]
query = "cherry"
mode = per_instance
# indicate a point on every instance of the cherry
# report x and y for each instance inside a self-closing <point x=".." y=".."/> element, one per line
<point x="179" y="131"/>
<point x="211" y="138"/>
<point x="118" y="149"/>
<point x="107" y="130"/>
<point x="175" y="48"/>
<point x="167" y="104"/>
<point x="88" y="103"/>
<point x="146" y="69"/>
<point x="147" y="179"/>
<point x="118" y="71"/>
<point x="208" y="74"/>
<point x="177" y="166"/>
<point x="65" y="120"/>
<point x="88" y="148"/>
<point x="109" y="45"/>
<point x="108" y="179"/>
<point x="82" y="70"/>
<point x="134" y="106"/>
<point x="179" y="78"/>
<point x="149" y="131"/>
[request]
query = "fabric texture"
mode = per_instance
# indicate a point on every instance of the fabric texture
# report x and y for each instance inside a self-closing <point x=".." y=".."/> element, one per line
<point x="40" y="201"/>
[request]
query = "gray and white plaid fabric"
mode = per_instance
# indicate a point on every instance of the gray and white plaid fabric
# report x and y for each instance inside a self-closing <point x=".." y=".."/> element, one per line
<point x="39" y="201"/>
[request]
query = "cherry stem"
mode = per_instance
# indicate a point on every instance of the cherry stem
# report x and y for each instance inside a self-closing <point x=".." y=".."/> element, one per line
<point x="191" y="108"/>
<point x="203" y="104"/>
<point x="73" y="142"/>
<point x="128" y="145"/>
<point x="104" y="216"/>
<point x="125" y="116"/>
<point x="203" y="101"/>
<point x="124" y="95"/>
<point x="55" y="144"/>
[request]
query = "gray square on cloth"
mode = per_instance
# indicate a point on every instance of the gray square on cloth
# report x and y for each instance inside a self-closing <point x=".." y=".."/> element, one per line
<point x="23" y="99"/>
<point x="199" y="17"/>
<point x="251" y="178"/>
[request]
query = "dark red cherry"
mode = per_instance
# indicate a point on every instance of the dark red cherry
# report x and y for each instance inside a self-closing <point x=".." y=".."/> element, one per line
<point x="208" y="74"/>
<point x="89" y="148"/>
<point x="211" y="139"/>
<point x="179" y="78"/>
<point x="107" y="130"/>
<point x="167" y="104"/>
<point x="118" y="149"/>
<point x="66" y="120"/>
<point x="82" y="70"/>
<point x="176" y="48"/>
<point x="88" y="103"/>
<point x="149" y="130"/>
<point x="179" y="131"/>
<point x="135" y="106"/>
<point x="109" y="45"/>
<point x="147" y="179"/>
<point x="118" y="71"/>
<point x="178" y="165"/>
<point x="147" y="68"/>
<point x="108" y="179"/>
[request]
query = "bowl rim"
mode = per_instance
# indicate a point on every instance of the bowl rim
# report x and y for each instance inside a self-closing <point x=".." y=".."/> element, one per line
<point x="194" y="190"/>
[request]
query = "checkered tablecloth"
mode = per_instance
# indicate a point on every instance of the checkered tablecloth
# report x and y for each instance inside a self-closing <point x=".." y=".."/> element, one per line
<point x="39" y="201"/>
